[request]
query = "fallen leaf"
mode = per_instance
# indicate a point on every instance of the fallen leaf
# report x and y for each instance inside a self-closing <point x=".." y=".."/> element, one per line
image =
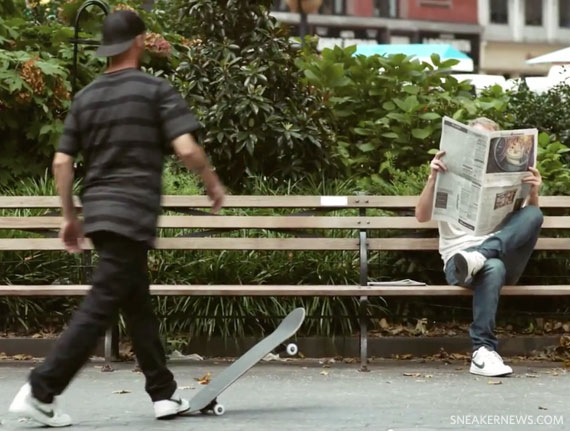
<point x="204" y="380"/>
<point x="405" y="356"/>
<point x="3" y="355"/>
<point x="22" y="357"/>
<point x="349" y="360"/>
<point x="428" y="376"/>
<point x="107" y="368"/>
<point x="459" y="368"/>
<point x="38" y="335"/>
<point x="122" y="391"/>
<point x="542" y="408"/>
<point x="421" y="326"/>
<point x="412" y="374"/>
<point x="324" y="373"/>
<point x="531" y="376"/>
<point x="384" y="323"/>
<point x="494" y="382"/>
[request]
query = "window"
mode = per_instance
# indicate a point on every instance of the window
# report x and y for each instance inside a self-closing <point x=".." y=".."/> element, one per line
<point x="499" y="12"/>
<point x="564" y="13"/>
<point x="386" y="8"/>
<point x="533" y="12"/>
<point x="333" y="7"/>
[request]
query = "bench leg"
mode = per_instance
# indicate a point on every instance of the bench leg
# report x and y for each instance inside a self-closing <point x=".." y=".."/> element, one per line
<point x="363" y="334"/>
<point x="112" y="344"/>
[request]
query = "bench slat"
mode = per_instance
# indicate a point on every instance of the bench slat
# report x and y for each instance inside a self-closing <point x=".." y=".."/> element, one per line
<point x="429" y="244"/>
<point x="288" y="290"/>
<point x="171" y="201"/>
<point x="339" y="244"/>
<point x="387" y="202"/>
<point x="375" y="244"/>
<point x="268" y="222"/>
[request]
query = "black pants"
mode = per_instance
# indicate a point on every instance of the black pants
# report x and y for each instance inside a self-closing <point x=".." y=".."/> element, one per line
<point x="120" y="282"/>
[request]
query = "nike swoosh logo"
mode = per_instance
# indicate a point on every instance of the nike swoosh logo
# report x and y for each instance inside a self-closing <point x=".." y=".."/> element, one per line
<point x="480" y="366"/>
<point x="179" y="402"/>
<point x="48" y="413"/>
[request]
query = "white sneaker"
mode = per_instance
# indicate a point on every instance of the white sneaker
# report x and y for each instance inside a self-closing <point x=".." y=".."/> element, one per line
<point x="26" y="405"/>
<point x="167" y="409"/>
<point x="488" y="363"/>
<point x="467" y="264"/>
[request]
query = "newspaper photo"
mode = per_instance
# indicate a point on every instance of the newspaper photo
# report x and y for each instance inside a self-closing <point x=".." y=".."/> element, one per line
<point x="483" y="182"/>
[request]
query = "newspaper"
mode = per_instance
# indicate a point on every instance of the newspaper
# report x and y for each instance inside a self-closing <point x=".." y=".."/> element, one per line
<point x="483" y="183"/>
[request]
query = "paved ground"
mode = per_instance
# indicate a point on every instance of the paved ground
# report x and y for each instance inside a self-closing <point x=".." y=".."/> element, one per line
<point x="306" y="396"/>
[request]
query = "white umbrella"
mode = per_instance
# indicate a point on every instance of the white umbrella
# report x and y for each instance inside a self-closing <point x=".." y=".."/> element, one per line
<point x="560" y="56"/>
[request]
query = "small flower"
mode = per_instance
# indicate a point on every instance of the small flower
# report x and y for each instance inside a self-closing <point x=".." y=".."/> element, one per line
<point x="44" y="2"/>
<point x="157" y="45"/>
<point x="32" y="75"/>
<point x="123" y="6"/>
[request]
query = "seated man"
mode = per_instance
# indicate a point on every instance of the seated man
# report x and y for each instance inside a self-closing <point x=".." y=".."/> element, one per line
<point x="485" y="263"/>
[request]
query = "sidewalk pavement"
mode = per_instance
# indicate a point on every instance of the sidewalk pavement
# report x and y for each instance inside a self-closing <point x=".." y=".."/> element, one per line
<point x="302" y="395"/>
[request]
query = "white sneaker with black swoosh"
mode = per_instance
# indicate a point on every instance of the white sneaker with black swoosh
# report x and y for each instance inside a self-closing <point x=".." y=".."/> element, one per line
<point x="489" y="363"/>
<point x="167" y="409"/>
<point x="25" y="405"/>
<point x="467" y="265"/>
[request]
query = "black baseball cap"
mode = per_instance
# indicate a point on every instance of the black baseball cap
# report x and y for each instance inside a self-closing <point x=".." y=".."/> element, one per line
<point x="119" y="32"/>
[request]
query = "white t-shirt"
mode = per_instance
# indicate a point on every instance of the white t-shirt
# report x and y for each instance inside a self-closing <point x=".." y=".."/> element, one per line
<point x="452" y="238"/>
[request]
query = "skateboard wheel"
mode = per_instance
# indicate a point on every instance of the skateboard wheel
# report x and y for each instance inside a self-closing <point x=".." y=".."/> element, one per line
<point x="219" y="410"/>
<point x="292" y="349"/>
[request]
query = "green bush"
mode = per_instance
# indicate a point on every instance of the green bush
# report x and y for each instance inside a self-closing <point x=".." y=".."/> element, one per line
<point x="391" y="105"/>
<point x="239" y="76"/>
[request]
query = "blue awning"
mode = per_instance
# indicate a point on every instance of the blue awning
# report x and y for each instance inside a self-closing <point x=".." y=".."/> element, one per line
<point x="422" y="52"/>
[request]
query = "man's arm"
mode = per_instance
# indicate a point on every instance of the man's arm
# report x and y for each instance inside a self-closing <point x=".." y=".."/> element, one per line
<point x="64" y="174"/>
<point x="194" y="158"/>
<point x="71" y="229"/>
<point x="424" y="206"/>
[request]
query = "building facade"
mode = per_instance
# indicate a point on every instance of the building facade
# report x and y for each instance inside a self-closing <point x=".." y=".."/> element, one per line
<point x="348" y="22"/>
<point x="499" y="35"/>
<point x="517" y="30"/>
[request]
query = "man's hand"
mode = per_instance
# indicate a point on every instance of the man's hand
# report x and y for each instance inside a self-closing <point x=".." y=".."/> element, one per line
<point x="437" y="165"/>
<point x="217" y="194"/>
<point x="71" y="234"/>
<point x="535" y="181"/>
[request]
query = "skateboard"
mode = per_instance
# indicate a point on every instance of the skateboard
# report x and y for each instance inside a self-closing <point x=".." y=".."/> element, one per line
<point x="205" y="401"/>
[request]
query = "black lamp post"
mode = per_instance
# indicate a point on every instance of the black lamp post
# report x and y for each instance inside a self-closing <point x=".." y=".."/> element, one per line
<point x="76" y="41"/>
<point x="303" y="24"/>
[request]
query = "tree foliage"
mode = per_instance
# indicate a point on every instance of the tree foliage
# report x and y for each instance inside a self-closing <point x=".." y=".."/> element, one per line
<point x="239" y="76"/>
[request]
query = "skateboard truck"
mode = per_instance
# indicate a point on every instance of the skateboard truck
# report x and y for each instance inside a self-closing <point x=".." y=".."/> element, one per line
<point x="214" y="407"/>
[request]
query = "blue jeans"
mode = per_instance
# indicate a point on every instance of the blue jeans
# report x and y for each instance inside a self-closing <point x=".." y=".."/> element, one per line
<point x="507" y="253"/>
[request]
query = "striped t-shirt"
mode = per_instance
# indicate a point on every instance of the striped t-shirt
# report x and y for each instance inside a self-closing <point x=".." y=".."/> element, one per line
<point x="123" y="123"/>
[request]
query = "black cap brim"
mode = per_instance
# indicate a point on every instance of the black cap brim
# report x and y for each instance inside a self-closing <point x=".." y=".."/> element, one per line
<point x="115" y="49"/>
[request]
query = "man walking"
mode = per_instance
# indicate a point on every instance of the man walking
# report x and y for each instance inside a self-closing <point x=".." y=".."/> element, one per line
<point x="123" y="123"/>
<point x="485" y="263"/>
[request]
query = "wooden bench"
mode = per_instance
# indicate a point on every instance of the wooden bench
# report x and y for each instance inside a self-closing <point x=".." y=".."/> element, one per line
<point x="309" y="214"/>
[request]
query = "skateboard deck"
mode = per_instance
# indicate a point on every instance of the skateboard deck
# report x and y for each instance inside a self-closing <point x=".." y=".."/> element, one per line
<point x="205" y="400"/>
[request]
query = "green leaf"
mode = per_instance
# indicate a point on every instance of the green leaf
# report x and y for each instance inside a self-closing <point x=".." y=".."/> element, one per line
<point x="430" y="116"/>
<point x="361" y="131"/>
<point x="421" y="133"/>
<point x="46" y="128"/>
<point x="543" y="139"/>
<point x="411" y="89"/>
<point x="366" y="148"/>
<point x="391" y="135"/>
<point x="311" y="76"/>
<point x="389" y="106"/>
